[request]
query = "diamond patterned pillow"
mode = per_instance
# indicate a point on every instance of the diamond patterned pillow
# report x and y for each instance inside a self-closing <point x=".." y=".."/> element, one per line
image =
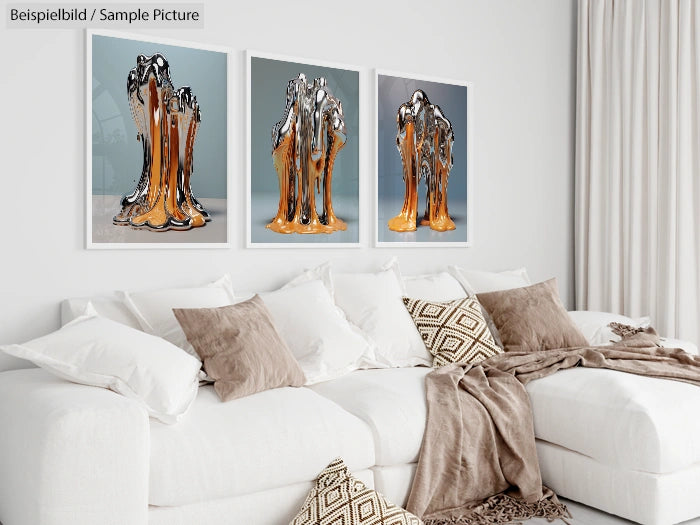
<point x="340" y="499"/>
<point x="453" y="331"/>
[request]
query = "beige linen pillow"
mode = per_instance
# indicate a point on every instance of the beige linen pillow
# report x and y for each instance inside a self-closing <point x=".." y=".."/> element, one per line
<point x="240" y="348"/>
<point x="453" y="331"/>
<point x="339" y="498"/>
<point x="532" y="318"/>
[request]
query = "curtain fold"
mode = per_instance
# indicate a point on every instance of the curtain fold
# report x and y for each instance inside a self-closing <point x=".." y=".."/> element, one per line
<point x="637" y="217"/>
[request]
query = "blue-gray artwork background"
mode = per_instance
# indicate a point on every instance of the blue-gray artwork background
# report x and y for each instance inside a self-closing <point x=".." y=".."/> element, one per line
<point x="117" y="157"/>
<point x="393" y="91"/>
<point x="268" y="86"/>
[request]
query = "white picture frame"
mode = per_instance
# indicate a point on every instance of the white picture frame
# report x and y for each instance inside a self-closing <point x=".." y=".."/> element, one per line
<point x="254" y="239"/>
<point x="97" y="232"/>
<point x="413" y="239"/>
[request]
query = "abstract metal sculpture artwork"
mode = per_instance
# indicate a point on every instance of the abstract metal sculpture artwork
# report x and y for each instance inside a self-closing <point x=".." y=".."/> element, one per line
<point x="424" y="140"/>
<point x="304" y="147"/>
<point x="167" y="121"/>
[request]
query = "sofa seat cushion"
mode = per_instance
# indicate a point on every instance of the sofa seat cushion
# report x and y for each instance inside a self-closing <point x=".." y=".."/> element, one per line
<point x="392" y="402"/>
<point x="619" y="419"/>
<point x="260" y="442"/>
<point x="267" y="507"/>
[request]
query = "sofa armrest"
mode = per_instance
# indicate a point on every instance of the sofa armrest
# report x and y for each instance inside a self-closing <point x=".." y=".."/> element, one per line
<point x="70" y="454"/>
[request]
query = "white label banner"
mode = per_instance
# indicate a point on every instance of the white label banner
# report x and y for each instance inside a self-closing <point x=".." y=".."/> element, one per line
<point x="77" y="16"/>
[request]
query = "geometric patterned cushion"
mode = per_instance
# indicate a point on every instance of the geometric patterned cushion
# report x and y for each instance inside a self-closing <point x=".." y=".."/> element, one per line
<point x="339" y="499"/>
<point x="453" y="331"/>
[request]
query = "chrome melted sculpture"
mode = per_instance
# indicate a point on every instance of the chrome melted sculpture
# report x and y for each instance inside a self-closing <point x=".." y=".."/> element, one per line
<point x="167" y="121"/>
<point x="304" y="146"/>
<point x="424" y="141"/>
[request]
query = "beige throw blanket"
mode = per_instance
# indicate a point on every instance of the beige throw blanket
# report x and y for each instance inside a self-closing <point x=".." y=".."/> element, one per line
<point x="478" y="463"/>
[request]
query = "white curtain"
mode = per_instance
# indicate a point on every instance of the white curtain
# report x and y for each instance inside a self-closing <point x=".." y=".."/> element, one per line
<point x="637" y="218"/>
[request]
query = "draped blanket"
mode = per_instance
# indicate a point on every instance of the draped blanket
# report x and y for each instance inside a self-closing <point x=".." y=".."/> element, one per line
<point x="478" y="463"/>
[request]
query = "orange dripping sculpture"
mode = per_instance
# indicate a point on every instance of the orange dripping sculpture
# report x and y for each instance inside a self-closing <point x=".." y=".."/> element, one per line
<point x="305" y="143"/>
<point x="167" y="121"/>
<point x="424" y="141"/>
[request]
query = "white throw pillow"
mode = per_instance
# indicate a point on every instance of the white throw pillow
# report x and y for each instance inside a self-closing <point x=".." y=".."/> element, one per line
<point x="594" y="325"/>
<point x="373" y="302"/>
<point x="482" y="282"/>
<point x="433" y="287"/>
<point x="95" y="351"/>
<point x="154" y="309"/>
<point x="108" y="306"/>
<point x="322" y="272"/>
<point x="325" y="345"/>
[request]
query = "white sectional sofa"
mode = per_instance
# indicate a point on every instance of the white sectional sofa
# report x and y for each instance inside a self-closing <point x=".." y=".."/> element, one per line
<point x="72" y="454"/>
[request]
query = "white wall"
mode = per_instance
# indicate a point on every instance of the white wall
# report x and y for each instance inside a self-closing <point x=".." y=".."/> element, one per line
<point x="520" y="55"/>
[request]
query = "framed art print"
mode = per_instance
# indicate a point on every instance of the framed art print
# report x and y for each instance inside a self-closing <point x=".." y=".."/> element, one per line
<point x="424" y="179"/>
<point x="304" y="130"/>
<point x="157" y="135"/>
